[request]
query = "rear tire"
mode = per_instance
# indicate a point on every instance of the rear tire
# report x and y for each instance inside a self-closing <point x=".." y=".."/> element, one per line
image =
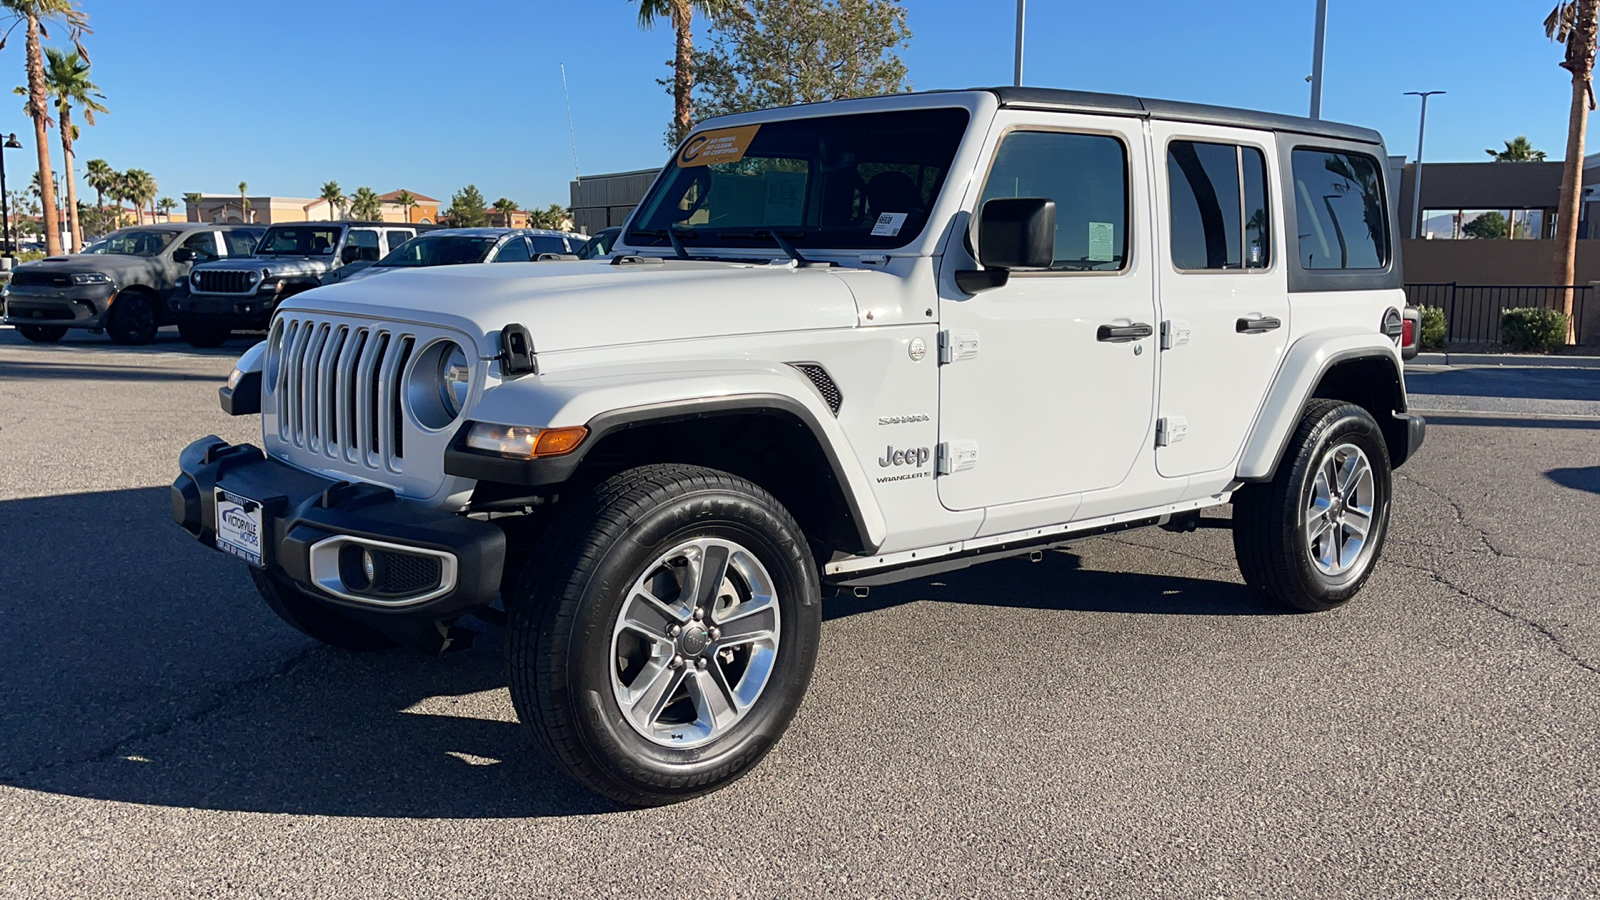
<point x="1309" y="538"/>
<point x="622" y="686"/>
<point x="133" y="320"/>
<point x="204" y="335"/>
<point x="42" y="334"/>
<point x="314" y="620"/>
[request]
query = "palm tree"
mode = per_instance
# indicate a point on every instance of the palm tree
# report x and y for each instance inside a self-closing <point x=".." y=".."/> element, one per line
<point x="39" y="14"/>
<point x="334" y="198"/>
<point x="166" y="205"/>
<point x="141" y="188"/>
<point x="681" y="12"/>
<point x="1575" y="23"/>
<point x="120" y="192"/>
<point x="194" y="201"/>
<point x="407" y="201"/>
<point x="244" y="203"/>
<point x="505" y="207"/>
<point x="365" y="205"/>
<point x="1519" y="150"/>
<point x="101" y="178"/>
<point x="67" y="77"/>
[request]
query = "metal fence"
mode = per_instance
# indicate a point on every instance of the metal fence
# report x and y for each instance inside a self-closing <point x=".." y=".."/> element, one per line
<point x="1472" y="311"/>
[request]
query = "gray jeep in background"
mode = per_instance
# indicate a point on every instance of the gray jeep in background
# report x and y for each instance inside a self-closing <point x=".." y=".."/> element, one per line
<point x="241" y="294"/>
<point x="126" y="283"/>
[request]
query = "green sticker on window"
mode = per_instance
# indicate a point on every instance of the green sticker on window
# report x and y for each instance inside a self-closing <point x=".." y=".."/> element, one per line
<point x="1101" y="236"/>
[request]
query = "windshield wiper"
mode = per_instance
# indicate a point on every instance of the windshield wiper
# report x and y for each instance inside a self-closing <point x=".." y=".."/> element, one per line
<point x="671" y="235"/>
<point x="776" y="238"/>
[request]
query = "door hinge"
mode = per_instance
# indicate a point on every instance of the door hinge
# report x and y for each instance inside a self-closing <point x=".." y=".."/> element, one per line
<point x="957" y="345"/>
<point x="956" y="456"/>
<point x="1174" y="333"/>
<point x="1170" y="430"/>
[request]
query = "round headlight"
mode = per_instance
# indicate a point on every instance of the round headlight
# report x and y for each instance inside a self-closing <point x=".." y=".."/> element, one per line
<point x="254" y="278"/>
<point x="455" y="379"/>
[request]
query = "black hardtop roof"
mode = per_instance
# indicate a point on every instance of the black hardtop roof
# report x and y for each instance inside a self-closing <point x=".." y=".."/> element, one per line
<point x="328" y="223"/>
<point x="1088" y="101"/>
<point x="181" y="226"/>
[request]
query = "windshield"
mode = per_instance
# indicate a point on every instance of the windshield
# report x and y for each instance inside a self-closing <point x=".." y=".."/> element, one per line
<point x="440" y="250"/>
<point x="132" y="243"/>
<point x="849" y="182"/>
<point x="600" y="244"/>
<point x="299" y="240"/>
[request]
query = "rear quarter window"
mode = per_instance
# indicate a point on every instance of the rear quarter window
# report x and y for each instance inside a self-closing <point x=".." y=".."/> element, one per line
<point x="1341" y="214"/>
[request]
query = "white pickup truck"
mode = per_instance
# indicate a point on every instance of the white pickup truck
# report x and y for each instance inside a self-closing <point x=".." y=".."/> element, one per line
<point x="836" y="346"/>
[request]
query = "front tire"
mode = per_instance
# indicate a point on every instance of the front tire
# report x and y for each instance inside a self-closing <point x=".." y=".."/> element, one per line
<point x="660" y="645"/>
<point x="204" y="336"/>
<point x="42" y="334"/>
<point x="314" y="620"/>
<point x="132" y="321"/>
<point x="1309" y="538"/>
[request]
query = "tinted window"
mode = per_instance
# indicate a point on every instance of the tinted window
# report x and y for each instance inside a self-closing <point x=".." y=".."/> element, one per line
<point x="439" y="250"/>
<point x="132" y="243"/>
<point x="365" y="241"/>
<point x="547" y="244"/>
<point x="240" y="243"/>
<point x="1218" y="200"/>
<point x="1087" y="176"/>
<point x="1339" y="210"/>
<point x="515" y="250"/>
<point x="856" y="181"/>
<point x="299" y="240"/>
<point x="396" y="238"/>
<point x="204" y="245"/>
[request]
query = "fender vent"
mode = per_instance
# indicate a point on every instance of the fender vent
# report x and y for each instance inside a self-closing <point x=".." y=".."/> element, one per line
<point x="824" y="384"/>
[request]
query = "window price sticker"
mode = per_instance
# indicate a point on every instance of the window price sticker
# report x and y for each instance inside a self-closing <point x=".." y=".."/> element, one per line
<point x="889" y="224"/>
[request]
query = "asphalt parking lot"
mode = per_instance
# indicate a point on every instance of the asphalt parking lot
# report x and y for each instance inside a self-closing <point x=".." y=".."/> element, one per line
<point x="1123" y="719"/>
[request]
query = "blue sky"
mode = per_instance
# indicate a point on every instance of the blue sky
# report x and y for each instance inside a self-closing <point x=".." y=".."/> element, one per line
<point x="429" y="96"/>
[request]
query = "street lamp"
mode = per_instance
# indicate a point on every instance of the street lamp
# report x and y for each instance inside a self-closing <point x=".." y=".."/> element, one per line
<point x="5" y="201"/>
<point x="1416" y="176"/>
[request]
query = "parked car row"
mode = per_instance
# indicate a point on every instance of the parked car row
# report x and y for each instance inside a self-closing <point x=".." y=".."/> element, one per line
<point x="211" y="280"/>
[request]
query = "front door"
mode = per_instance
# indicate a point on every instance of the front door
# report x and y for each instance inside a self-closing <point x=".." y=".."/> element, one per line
<point x="1224" y="291"/>
<point x="1049" y="384"/>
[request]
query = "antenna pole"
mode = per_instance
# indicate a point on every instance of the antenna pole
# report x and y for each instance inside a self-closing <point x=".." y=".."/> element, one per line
<point x="1021" y="16"/>
<point x="572" y="135"/>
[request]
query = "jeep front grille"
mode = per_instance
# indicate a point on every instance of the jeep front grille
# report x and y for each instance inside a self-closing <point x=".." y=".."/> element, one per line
<point x="224" y="281"/>
<point x="337" y="389"/>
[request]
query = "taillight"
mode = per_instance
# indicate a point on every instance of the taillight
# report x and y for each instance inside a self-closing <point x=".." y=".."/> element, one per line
<point x="1408" y="333"/>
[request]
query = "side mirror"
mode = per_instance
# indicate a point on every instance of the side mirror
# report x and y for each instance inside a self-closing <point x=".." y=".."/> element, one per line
<point x="184" y="255"/>
<point x="350" y="254"/>
<point x="1013" y="233"/>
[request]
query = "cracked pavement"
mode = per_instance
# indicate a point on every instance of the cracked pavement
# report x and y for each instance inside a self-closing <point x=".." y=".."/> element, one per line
<point x="1121" y="719"/>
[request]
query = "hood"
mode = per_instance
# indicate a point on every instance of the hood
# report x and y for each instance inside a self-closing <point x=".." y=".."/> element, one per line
<point x="591" y="303"/>
<point x="122" y="269"/>
<point x="278" y="266"/>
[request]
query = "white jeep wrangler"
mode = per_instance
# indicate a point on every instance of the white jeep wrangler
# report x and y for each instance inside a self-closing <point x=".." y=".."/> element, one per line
<point x="838" y="345"/>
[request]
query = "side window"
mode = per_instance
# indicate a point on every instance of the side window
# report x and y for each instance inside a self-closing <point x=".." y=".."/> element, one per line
<point x="1087" y="177"/>
<point x="545" y="243"/>
<point x="515" y="250"/>
<point x="240" y="243"/>
<point x="1218" y="198"/>
<point x="204" y="245"/>
<point x="366" y="242"/>
<point x="574" y="243"/>
<point x="396" y="238"/>
<point x="1340" y="210"/>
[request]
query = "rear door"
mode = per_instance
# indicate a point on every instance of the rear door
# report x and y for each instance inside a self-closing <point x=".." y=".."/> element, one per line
<point x="1223" y="288"/>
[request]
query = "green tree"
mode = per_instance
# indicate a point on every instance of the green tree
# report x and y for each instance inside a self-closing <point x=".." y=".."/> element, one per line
<point x="407" y="201"/>
<point x="1518" y="150"/>
<point x="142" y="188"/>
<point x="1488" y="226"/>
<point x="681" y="13"/>
<point x="334" y="197"/>
<point x="39" y="15"/>
<point x="1576" y="24"/>
<point x="554" y="217"/>
<point x="67" y="78"/>
<point x="467" y="209"/>
<point x="505" y="207"/>
<point x="101" y="178"/>
<point x="365" y="205"/>
<point x="244" y="202"/>
<point x="781" y="52"/>
<point x="192" y="199"/>
<point x="167" y="205"/>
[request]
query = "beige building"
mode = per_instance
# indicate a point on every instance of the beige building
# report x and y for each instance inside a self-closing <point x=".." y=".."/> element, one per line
<point x="258" y="210"/>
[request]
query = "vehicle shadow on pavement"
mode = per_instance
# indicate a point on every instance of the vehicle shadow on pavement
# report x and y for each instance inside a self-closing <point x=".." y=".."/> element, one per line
<point x="1522" y="384"/>
<point x="167" y="341"/>
<point x="1503" y="421"/>
<point x="141" y="667"/>
<point x="1058" y="582"/>
<point x="76" y="370"/>
<point x="1586" y="478"/>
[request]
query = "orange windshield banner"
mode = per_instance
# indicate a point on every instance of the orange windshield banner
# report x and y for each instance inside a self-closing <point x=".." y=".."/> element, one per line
<point x="724" y="145"/>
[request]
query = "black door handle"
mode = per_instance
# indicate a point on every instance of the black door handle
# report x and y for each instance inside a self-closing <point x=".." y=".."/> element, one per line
<point x="1121" y="334"/>
<point x="1256" y="326"/>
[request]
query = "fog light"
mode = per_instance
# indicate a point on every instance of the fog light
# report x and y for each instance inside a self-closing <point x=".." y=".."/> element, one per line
<point x="369" y="566"/>
<point x="524" y="443"/>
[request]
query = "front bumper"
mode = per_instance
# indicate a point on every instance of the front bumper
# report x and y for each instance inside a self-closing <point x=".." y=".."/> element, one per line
<point x="236" y="310"/>
<point x="308" y="519"/>
<point x="81" y="307"/>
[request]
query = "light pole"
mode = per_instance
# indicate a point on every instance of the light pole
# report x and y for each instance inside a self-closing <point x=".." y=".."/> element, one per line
<point x="5" y="201"/>
<point x="1416" y="176"/>
<point x="1022" y="6"/>
<point x="1316" y="59"/>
